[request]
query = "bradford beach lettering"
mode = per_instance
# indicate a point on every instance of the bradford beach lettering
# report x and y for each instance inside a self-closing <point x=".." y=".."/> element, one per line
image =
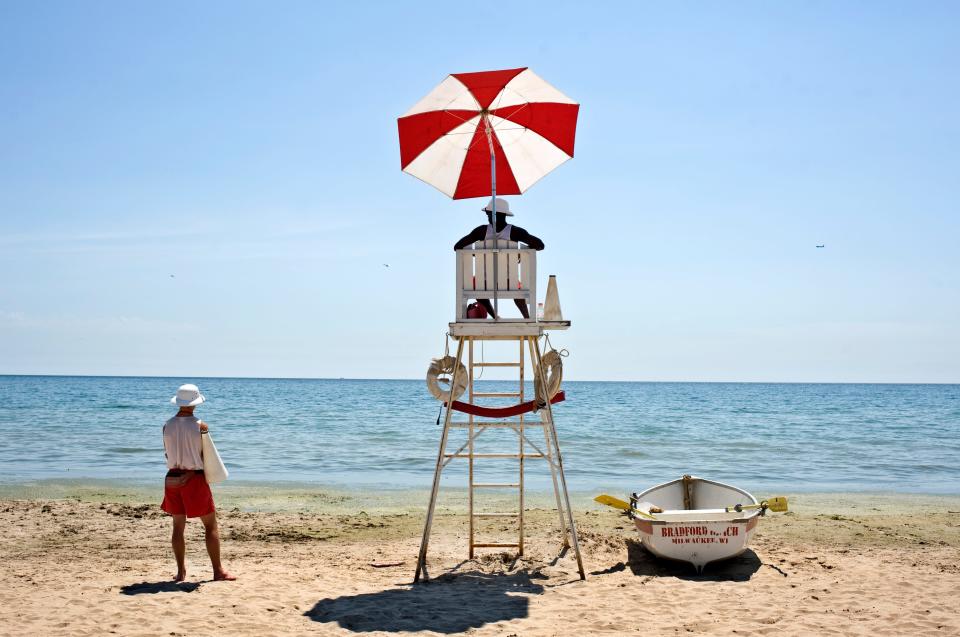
<point x="683" y="531"/>
<point x="698" y="534"/>
<point x="686" y="531"/>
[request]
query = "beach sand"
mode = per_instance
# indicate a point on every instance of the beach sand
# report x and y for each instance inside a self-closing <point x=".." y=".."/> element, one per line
<point x="99" y="563"/>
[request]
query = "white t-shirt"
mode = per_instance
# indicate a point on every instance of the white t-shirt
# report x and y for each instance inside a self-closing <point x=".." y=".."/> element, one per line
<point x="182" y="443"/>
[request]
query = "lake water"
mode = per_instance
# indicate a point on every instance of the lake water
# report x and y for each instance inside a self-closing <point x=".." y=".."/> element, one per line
<point x="383" y="433"/>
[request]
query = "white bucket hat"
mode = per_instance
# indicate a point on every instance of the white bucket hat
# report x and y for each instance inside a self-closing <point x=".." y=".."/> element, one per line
<point x="188" y="396"/>
<point x="503" y="207"/>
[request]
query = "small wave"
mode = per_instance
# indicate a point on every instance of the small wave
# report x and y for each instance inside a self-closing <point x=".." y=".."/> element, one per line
<point x="132" y="450"/>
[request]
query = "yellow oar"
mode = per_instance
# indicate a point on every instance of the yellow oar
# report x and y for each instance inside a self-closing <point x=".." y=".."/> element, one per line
<point x="777" y="504"/>
<point x="617" y="503"/>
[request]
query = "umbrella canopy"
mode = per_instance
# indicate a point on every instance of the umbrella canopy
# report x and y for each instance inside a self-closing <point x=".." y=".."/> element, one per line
<point x="511" y="118"/>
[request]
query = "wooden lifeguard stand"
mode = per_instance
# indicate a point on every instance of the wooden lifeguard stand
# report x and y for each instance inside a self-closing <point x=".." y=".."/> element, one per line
<point x="504" y="271"/>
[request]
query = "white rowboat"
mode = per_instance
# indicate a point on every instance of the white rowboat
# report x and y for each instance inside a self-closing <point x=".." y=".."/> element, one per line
<point x="694" y="524"/>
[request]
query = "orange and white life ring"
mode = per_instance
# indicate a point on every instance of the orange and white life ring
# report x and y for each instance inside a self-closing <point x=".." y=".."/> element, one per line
<point x="442" y="371"/>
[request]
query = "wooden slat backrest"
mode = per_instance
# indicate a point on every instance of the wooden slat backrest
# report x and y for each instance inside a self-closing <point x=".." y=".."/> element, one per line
<point x="487" y="261"/>
<point x="525" y="270"/>
<point x="516" y="270"/>
<point x="466" y="270"/>
<point x="507" y="274"/>
<point x="512" y="268"/>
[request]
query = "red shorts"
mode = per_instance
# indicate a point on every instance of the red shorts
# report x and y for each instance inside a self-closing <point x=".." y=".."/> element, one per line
<point x="193" y="499"/>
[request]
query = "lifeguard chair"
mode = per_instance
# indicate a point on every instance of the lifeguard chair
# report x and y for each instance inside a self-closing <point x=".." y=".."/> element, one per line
<point x="487" y="271"/>
<point x="505" y="271"/>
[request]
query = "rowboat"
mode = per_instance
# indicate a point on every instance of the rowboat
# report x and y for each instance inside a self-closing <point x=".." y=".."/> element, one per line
<point x="696" y="520"/>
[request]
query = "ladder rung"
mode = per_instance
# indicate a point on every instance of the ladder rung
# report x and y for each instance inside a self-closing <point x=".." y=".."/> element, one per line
<point x="495" y="485"/>
<point x="496" y="394"/>
<point x="496" y="364"/>
<point x="496" y="423"/>
<point x="493" y="455"/>
<point x="496" y="546"/>
<point x="496" y="515"/>
<point x="482" y="455"/>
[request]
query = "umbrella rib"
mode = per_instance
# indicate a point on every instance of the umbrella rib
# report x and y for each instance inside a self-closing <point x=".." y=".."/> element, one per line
<point x="518" y="127"/>
<point x="503" y="93"/>
<point x="462" y="119"/>
<point x="474" y="142"/>
<point x="494" y="128"/>
<point x="522" y="106"/>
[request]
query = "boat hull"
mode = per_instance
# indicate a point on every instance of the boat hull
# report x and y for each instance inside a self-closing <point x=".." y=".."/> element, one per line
<point x="701" y="534"/>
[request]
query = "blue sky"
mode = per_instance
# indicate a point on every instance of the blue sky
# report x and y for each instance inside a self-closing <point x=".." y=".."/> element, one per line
<point x="250" y="150"/>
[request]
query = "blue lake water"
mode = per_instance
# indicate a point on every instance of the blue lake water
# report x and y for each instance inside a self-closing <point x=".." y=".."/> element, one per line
<point x="383" y="433"/>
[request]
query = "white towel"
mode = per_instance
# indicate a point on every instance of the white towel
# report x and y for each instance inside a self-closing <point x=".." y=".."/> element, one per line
<point x="213" y="468"/>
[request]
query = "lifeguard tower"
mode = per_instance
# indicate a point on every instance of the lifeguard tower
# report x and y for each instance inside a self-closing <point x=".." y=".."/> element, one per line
<point x="505" y="271"/>
<point x="471" y="131"/>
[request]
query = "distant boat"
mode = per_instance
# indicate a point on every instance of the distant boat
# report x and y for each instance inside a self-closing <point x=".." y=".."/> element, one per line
<point x="822" y="245"/>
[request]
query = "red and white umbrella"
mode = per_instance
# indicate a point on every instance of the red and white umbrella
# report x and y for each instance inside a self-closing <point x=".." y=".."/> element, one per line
<point x="487" y="133"/>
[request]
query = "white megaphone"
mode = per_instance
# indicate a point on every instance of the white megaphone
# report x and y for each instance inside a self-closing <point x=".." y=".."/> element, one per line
<point x="551" y="305"/>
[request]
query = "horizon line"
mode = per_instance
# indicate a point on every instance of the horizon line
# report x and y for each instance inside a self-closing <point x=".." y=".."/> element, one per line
<point x="338" y="378"/>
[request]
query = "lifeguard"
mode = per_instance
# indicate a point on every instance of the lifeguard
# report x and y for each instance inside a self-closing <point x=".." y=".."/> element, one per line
<point x="503" y="232"/>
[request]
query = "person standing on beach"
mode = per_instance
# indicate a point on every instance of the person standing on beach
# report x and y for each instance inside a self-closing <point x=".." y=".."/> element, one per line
<point x="186" y="493"/>
<point x="504" y="232"/>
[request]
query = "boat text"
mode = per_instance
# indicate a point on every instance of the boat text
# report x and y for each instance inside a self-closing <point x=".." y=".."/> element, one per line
<point x="698" y="534"/>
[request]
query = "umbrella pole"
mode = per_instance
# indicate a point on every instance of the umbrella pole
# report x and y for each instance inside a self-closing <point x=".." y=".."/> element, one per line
<point x="493" y="216"/>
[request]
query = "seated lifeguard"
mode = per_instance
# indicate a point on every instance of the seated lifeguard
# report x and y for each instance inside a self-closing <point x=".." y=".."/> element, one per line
<point x="504" y="232"/>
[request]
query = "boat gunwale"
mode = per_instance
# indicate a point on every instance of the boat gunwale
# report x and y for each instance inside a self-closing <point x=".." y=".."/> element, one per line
<point x="748" y="515"/>
<point x="660" y="522"/>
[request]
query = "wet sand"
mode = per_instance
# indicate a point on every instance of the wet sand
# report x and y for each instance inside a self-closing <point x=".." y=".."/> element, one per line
<point x="309" y="561"/>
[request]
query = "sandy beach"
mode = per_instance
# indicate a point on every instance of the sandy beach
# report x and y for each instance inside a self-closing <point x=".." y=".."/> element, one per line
<point x="425" y="260"/>
<point x="99" y="563"/>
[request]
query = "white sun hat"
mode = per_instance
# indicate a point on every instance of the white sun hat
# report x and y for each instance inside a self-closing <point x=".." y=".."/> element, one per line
<point x="503" y="207"/>
<point x="188" y="396"/>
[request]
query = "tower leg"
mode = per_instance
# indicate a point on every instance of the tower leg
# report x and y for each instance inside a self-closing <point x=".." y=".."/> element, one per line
<point x="548" y="451"/>
<point x="538" y="369"/>
<point x="425" y="541"/>
<point x="520" y="435"/>
<point x="471" y="434"/>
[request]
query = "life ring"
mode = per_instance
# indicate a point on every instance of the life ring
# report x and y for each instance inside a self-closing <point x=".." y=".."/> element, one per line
<point x="551" y="365"/>
<point x="439" y="369"/>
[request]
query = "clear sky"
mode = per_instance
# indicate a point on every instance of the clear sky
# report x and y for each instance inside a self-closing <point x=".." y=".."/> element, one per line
<point x="213" y="188"/>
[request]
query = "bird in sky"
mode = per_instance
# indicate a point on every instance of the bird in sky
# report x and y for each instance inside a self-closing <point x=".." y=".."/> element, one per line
<point x="386" y="265"/>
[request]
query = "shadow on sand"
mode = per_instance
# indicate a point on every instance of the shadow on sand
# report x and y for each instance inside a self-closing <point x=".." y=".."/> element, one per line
<point x="450" y="603"/>
<point x="150" y="588"/>
<point x="737" y="569"/>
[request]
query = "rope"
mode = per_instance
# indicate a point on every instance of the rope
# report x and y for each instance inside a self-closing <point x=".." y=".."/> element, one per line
<point x="446" y="352"/>
<point x="552" y="371"/>
<point x="547" y="343"/>
<point x="483" y="359"/>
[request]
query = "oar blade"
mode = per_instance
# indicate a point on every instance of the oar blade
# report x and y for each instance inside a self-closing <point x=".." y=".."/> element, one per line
<point x="611" y="501"/>
<point x="777" y="504"/>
